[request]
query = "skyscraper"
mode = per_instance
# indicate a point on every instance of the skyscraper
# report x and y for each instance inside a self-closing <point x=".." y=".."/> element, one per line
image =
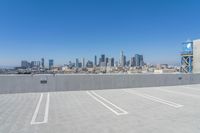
<point x="139" y="61"/>
<point x="77" y="63"/>
<point x="25" y="64"/>
<point x="122" y="59"/>
<point x="83" y="63"/>
<point x="133" y="64"/>
<point x="42" y="62"/>
<point x="51" y="63"/>
<point x="95" y="60"/>
<point x="103" y="58"/>
<point x="107" y="60"/>
<point x="35" y="64"/>
<point x="112" y="62"/>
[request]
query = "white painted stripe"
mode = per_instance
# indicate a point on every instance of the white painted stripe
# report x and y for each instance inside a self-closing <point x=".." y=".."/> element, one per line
<point x="110" y="103"/>
<point x="37" y="109"/>
<point x="155" y="99"/>
<point x="47" y="109"/>
<point x="33" y="122"/>
<point x="179" y="93"/>
<point x="99" y="99"/>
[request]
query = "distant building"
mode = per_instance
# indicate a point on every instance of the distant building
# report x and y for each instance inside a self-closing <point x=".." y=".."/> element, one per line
<point x="71" y="65"/>
<point x="116" y="64"/>
<point x="122" y="59"/>
<point x="80" y="65"/>
<point x="110" y="62"/>
<point x="51" y="63"/>
<point x="77" y="63"/>
<point x="35" y="64"/>
<point x="139" y="61"/>
<point x="103" y="64"/>
<point x="133" y="63"/>
<point x="42" y="63"/>
<point x="89" y="64"/>
<point x="95" y="60"/>
<point x="128" y="63"/>
<point x="107" y="60"/>
<point x="83" y="63"/>
<point x="103" y="57"/>
<point x="25" y="64"/>
<point x="102" y="60"/>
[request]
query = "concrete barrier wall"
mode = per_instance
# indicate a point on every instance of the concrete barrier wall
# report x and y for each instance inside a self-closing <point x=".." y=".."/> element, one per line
<point x="32" y="83"/>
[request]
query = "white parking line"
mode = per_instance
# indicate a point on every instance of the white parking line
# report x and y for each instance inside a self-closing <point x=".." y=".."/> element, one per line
<point x="112" y="107"/>
<point x="33" y="122"/>
<point x="155" y="99"/>
<point x="179" y="93"/>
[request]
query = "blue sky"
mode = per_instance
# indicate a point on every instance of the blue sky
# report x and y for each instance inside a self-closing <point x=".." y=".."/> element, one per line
<point x="64" y="30"/>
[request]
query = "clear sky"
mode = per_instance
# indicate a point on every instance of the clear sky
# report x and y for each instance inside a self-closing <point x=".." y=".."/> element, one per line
<point x="64" y="30"/>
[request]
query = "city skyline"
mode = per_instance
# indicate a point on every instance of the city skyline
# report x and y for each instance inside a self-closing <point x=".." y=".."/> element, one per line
<point x="66" y="30"/>
<point x="122" y="61"/>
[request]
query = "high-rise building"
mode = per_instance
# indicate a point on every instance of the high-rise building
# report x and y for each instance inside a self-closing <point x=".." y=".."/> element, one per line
<point x="51" y="63"/>
<point x="128" y="63"/>
<point x="133" y="63"/>
<point x="25" y="64"/>
<point x="107" y="60"/>
<point x="116" y="64"/>
<point x="103" y="57"/>
<point x="35" y="64"/>
<point x="111" y="62"/>
<point x="103" y="64"/>
<point x="95" y="60"/>
<point x="122" y="59"/>
<point x="139" y="61"/>
<point x="102" y="60"/>
<point x="89" y="64"/>
<point x="83" y="63"/>
<point x="71" y="64"/>
<point x="77" y="63"/>
<point x="42" y="63"/>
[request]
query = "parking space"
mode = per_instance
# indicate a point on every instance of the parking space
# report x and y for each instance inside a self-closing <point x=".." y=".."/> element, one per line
<point x="155" y="109"/>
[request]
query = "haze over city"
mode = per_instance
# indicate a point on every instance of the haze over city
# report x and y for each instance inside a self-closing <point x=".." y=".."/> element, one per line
<point x="67" y="30"/>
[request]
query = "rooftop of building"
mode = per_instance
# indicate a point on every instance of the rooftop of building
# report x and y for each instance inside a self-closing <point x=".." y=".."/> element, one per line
<point x="167" y="109"/>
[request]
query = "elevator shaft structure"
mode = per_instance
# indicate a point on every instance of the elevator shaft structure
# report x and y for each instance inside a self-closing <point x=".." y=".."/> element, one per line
<point x="187" y="57"/>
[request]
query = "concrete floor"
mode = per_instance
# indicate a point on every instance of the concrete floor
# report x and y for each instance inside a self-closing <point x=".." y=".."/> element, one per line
<point x="174" y="109"/>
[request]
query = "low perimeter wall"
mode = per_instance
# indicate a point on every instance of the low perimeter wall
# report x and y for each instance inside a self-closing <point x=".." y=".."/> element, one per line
<point x="50" y="83"/>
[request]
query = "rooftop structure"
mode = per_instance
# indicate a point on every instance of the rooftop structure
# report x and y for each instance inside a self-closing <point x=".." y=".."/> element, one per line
<point x="187" y="57"/>
<point x="196" y="56"/>
<point x="190" y="57"/>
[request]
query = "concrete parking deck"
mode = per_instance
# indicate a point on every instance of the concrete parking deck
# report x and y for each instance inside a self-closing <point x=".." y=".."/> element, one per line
<point x="174" y="109"/>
